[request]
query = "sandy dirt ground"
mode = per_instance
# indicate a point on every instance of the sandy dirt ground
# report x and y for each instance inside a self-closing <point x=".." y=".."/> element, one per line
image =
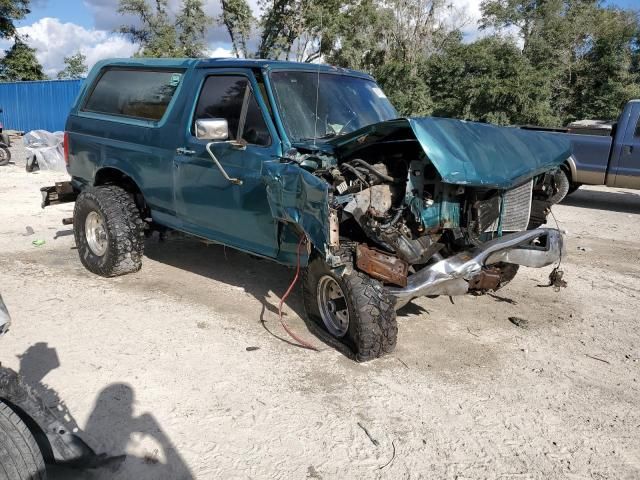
<point x="155" y="365"/>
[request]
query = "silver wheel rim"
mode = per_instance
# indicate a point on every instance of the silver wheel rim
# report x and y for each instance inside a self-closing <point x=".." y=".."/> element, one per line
<point x="333" y="306"/>
<point x="95" y="230"/>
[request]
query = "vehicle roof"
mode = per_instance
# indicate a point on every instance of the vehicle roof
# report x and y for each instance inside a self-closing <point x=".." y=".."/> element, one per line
<point x="230" y="62"/>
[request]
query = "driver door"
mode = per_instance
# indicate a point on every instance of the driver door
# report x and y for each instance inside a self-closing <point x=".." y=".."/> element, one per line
<point x="208" y="204"/>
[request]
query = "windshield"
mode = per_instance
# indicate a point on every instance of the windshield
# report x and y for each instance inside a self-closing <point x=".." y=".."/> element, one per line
<point x="345" y="104"/>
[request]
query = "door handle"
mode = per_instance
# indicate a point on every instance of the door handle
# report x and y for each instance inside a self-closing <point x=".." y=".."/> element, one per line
<point x="185" y="151"/>
<point x="235" y="181"/>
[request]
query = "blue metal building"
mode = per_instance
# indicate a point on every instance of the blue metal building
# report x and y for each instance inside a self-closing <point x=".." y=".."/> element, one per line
<point x="41" y="105"/>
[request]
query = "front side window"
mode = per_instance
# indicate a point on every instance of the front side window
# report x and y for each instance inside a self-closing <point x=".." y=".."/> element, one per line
<point x="231" y="97"/>
<point x="142" y="94"/>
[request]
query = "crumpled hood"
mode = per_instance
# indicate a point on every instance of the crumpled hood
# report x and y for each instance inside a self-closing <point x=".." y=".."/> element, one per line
<point x="466" y="153"/>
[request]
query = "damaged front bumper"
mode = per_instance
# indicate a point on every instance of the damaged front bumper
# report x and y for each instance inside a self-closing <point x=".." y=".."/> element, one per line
<point x="452" y="276"/>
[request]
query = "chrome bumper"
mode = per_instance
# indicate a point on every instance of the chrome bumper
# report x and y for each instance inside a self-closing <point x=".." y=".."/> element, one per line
<point x="532" y="248"/>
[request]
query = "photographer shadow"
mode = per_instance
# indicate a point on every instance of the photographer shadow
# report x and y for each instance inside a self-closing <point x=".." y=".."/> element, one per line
<point x="110" y="428"/>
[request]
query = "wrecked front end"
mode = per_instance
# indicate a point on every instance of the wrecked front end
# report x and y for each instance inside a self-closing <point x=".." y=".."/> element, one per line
<point x="428" y="206"/>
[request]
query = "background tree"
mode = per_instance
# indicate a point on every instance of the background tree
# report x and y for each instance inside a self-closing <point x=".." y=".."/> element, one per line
<point x="542" y="62"/>
<point x="10" y="11"/>
<point x="75" y="67"/>
<point x="191" y="24"/>
<point x="161" y="36"/>
<point x="20" y="63"/>
<point x="237" y="18"/>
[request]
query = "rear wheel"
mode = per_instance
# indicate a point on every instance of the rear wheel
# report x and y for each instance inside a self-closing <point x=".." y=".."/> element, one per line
<point x="352" y="307"/>
<point x="20" y="456"/>
<point x="109" y="231"/>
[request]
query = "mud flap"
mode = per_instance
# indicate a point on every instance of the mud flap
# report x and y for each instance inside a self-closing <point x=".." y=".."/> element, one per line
<point x="298" y="197"/>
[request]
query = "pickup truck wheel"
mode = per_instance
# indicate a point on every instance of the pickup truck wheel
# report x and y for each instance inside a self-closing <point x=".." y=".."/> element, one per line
<point x="109" y="231"/>
<point x="562" y="184"/>
<point x="20" y="456"/>
<point x="5" y="155"/>
<point x="352" y="307"/>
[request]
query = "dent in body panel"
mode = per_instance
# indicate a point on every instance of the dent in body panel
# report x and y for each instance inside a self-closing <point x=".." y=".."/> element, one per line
<point x="298" y="197"/>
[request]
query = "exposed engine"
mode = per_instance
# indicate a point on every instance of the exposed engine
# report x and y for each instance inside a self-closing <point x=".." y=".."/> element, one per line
<point x="402" y="216"/>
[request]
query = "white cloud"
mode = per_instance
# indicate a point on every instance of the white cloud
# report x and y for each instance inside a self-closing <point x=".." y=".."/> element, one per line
<point x="54" y="40"/>
<point x="219" y="52"/>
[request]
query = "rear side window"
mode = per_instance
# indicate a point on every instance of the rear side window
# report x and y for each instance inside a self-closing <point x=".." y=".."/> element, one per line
<point x="230" y="97"/>
<point x="143" y="94"/>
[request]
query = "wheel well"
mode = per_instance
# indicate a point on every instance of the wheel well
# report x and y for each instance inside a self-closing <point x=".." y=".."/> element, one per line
<point x="113" y="176"/>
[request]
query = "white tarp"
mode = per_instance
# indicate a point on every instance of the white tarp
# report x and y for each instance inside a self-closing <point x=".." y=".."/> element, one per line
<point x="47" y="148"/>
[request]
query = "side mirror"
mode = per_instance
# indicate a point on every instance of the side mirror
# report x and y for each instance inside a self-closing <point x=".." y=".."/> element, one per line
<point x="212" y="129"/>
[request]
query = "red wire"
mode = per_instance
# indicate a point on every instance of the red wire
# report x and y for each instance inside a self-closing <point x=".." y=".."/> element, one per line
<point x="302" y="343"/>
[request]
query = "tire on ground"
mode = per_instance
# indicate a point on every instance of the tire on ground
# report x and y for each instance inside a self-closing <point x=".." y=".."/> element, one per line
<point x="563" y="184"/>
<point x="373" y="329"/>
<point x="5" y="155"/>
<point x="124" y="230"/>
<point x="20" y="456"/>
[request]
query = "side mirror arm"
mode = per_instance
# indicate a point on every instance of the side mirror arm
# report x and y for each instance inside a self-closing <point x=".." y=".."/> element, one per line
<point x="235" y="181"/>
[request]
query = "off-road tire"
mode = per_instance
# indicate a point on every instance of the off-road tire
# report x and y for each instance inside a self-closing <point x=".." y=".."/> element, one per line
<point x="5" y="155"/>
<point x="563" y="184"/>
<point x="124" y="226"/>
<point x="373" y="329"/>
<point x="20" y="456"/>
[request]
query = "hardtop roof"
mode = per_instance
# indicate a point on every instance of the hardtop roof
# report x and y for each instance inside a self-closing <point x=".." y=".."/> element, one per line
<point x="230" y="62"/>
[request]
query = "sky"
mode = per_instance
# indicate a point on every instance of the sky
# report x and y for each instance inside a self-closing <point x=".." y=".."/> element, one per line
<point x="59" y="28"/>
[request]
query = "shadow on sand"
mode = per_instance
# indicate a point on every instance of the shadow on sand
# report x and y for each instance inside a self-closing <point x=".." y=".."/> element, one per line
<point x="110" y="428"/>
<point x="261" y="278"/>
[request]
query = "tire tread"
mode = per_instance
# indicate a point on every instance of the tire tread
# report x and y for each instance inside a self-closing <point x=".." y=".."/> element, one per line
<point x="20" y="455"/>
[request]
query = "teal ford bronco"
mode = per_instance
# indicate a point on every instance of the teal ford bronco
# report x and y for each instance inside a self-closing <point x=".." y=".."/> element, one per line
<point x="310" y="163"/>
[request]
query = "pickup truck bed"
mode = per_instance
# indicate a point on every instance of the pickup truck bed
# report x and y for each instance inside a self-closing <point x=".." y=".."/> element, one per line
<point x="612" y="160"/>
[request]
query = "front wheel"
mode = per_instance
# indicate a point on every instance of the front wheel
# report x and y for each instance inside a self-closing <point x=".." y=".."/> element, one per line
<point x="352" y="307"/>
<point x="109" y="231"/>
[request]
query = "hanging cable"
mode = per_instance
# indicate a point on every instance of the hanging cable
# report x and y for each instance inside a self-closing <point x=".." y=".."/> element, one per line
<point x="302" y="343"/>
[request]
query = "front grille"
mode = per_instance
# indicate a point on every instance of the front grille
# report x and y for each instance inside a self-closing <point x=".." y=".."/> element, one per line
<point x="516" y="209"/>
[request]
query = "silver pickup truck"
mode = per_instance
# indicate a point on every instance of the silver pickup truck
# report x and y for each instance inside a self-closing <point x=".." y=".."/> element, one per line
<point x="603" y="154"/>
